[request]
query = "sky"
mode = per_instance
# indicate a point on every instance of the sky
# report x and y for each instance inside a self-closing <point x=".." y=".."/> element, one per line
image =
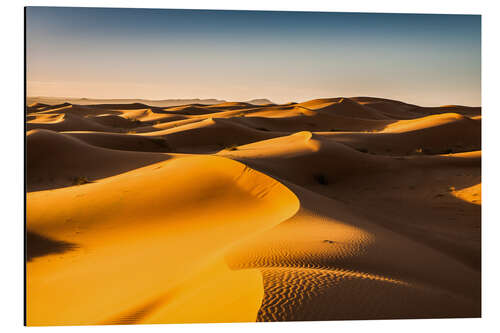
<point x="424" y="59"/>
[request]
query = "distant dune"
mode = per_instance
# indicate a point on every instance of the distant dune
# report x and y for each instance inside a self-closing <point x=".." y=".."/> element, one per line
<point x="184" y="211"/>
<point x="90" y="101"/>
<point x="163" y="102"/>
<point x="260" y="101"/>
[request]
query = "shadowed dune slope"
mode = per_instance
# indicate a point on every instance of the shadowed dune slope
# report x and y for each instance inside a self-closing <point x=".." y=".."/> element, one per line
<point x="328" y="263"/>
<point x="118" y="141"/>
<point x="393" y="110"/>
<point x="344" y="107"/>
<point x="113" y="120"/>
<point x="208" y="135"/>
<point x="191" y="110"/>
<point x="411" y="195"/>
<point x="464" y="110"/>
<point x="305" y="158"/>
<point x="231" y="105"/>
<point x="300" y="119"/>
<point x="56" y="160"/>
<point x="69" y="122"/>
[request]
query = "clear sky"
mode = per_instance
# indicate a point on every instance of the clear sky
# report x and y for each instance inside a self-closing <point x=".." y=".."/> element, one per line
<point x="241" y="55"/>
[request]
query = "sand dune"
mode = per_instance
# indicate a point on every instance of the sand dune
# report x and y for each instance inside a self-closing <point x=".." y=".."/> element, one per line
<point x="211" y="134"/>
<point x="180" y="210"/>
<point x="436" y="134"/>
<point x="335" y="208"/>
<point x="190" y="110"/>
<point x="56" y="160"/>
<point x="94" y="101"/>
<point x="417" y="186"/>
<point x="67" y="122"/>
<point x="464" y="110"/>
<point x="393" y="110"/>
<point x="231" y="105"/>
<point x="301" y="119"/>
<point x="303" y="158"/>
<point x="343" y="107"/>
<point x="119" y="141"/>
<point x="325" y="262"/>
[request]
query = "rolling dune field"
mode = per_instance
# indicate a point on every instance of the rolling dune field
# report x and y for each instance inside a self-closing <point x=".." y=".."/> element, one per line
<point x="329" y="209"/>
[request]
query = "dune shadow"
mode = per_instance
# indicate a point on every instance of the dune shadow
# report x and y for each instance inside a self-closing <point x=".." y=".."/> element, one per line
<point x="39" y="246"/>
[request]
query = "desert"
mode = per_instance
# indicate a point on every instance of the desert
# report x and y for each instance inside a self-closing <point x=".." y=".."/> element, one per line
<point x="203" y="210"/>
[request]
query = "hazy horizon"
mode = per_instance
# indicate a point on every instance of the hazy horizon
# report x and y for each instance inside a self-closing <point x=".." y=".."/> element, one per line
<point x="156" y="54"/>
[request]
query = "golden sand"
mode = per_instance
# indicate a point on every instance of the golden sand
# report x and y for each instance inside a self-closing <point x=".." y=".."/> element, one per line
<point x="340" y="208"/>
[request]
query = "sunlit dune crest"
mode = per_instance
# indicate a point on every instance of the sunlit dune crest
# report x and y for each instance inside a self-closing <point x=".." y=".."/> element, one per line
<point x="334" y="208"/>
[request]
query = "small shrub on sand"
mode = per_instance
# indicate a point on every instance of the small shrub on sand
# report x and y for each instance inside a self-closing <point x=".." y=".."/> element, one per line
<point x="422" y="151"/>
<point x="160" y="142"/>
<point x="262" y="129"/>
<point x="321" y="179"/>
<point x="80" y="180"/>
<point x="362" y="150"/>
<point x="231" y="147"/>
<point x="447" y="151"/>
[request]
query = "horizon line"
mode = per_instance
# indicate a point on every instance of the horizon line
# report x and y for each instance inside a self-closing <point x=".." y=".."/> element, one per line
<point x="245" y="100"/>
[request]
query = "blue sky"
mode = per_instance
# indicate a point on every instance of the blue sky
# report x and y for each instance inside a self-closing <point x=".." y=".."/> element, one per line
<point x="240" y="55"/>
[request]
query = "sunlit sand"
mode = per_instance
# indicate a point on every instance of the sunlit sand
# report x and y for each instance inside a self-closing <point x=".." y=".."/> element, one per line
<point x="336" y="208"/>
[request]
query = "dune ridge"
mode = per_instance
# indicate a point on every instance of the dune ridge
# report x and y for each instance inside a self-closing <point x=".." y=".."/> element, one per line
<point x="334" y="208"/>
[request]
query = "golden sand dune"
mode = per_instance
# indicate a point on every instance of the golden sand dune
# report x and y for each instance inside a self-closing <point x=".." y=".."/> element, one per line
<point x="67" y="122"/>
<point x="148" y="116"/>
<point x="123" y="101"/>
<point x="436" y="134"/>
<point x="165" y="236"/>
<point x="211" y="134"/>
<point x="301" y="119"/>
<point x="465" y="110"/>
<point x="46" y="108"/>
<point x="164" y="125"/>
<point x="336" y="208"/>
<point x="344" y="107"/>
<point x="454" y="121"/>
